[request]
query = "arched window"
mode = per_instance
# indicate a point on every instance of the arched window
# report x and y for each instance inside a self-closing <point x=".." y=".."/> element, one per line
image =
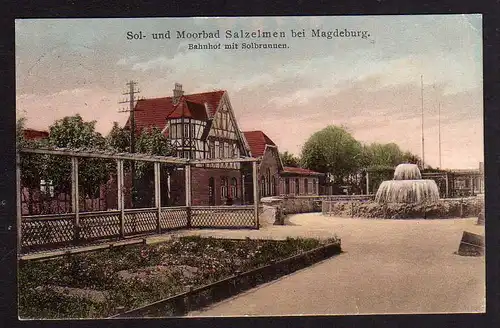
<point x="306" y="186"/>
<point x="297" y="186"/>
<point x="273" y="186"/>
<point x="268" y="180"/>
<point x="262" y="186"/>
<point x="223" y="188"/>
<point x="234" y="189"/>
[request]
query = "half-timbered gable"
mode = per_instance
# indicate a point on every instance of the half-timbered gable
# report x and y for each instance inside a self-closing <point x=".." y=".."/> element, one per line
<point x="224" y="139"/>
<point x="200" y="126"/>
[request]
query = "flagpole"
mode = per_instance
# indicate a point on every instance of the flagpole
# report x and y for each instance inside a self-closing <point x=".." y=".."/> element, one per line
<point x="439" y="134"/>
<point x="422" y="99"/>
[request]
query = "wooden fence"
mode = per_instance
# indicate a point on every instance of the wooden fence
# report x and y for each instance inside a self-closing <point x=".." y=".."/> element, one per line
<point x="46" y="231"/>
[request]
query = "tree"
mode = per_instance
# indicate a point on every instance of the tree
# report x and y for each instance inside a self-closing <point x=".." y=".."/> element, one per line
<point x="118" y="139"/>
<point x="152" y="142"/>
<point x="74" y="133"/>
<point x="333" y="151"/>
<point x="411" y="158"/>
<point x="32" y="166"/>
<point x="384" y="154"/>
<point x="288" y="159"/>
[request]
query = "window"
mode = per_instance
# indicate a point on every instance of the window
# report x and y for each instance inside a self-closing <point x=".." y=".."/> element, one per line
<point x="47" y="187"/>
<point x="193" y="134"/>
<point x="212" y="149"/>
<point x="314" y="186"/>
<point x="223" y="188"/>
<point x="287" y="186"/>
<point x="268" y="189"/>
<point x="221" y="150"/>
<point x="297" y="187"/>
<point x="273" y="186"/>
<point x="186" y="130"/>
<point x="306" y="186"/>
<point x="234" y="189"/>
<point x="262" y="186"/>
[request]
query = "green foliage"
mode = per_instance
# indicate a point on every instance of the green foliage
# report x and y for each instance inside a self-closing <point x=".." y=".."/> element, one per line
<point x="333" y="150"/>
<point x="153" y="142"/>
<point x="74" y="133"/>
<point x="118" y="139"/>
<point x="288" y="159"/>
<point x="32" y="165"/>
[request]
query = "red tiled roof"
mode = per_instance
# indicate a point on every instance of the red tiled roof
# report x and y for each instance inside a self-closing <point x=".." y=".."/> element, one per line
<point x="154" y="112"/>
<point x="257" y="141"/>
<point x="299" y="171"/>
<point x="31" y="134"/>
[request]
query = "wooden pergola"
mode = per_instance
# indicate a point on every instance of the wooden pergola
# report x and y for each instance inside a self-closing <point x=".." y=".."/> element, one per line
<point x="159" y="212"/>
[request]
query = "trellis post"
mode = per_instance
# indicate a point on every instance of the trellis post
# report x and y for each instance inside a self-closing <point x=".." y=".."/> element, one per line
<point x="121" y="205"/>
<point x="18" y="203"/>
<point x="243" y="188"/>
<point x="367" y="183"/>
<point x="187" y="169"/>
<point x="447" y="186"/>
<point x="255" y="194"/>
<point x="75" y="197"/>
<point x="157" y="195"/>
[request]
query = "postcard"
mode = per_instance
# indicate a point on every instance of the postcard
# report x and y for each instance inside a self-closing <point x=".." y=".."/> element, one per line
<point x="250" y="166"/>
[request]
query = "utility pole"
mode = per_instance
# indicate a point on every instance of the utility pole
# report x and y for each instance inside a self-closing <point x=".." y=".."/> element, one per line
<point x="422" y="98"/>
<point x="131" y="101"/>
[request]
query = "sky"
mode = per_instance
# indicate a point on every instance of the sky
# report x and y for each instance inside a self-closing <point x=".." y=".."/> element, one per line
<point x="371" y="86"/>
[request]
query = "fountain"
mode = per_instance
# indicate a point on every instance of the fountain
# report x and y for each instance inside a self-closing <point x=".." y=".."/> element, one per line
<point x="407" y="187"/>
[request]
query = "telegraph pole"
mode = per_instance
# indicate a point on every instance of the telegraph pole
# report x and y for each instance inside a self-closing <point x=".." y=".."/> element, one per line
<point x="131" y="101"/>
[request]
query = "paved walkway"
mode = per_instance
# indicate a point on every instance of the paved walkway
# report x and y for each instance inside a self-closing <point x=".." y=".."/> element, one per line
<point x="389" y="266"/>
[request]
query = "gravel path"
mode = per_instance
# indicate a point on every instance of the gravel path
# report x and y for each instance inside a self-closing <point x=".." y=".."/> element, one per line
<point x="388" y="266"/>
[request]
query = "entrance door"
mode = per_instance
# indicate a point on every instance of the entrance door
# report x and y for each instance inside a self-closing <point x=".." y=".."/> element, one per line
<point x="211" y="192"/>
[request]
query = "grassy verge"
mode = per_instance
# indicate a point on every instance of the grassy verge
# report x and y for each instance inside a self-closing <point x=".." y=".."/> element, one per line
<point x="103" y="283"/>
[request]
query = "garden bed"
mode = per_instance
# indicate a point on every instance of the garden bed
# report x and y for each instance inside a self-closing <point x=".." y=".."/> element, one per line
<point x="447" y="208"/>
<point x="108" y="282"/>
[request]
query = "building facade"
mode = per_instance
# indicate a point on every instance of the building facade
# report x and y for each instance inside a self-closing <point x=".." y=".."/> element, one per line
<point x="200" y="126"/>
<point x="275" y="179"/>
<point x="270" y="166"/>
<point x="296" y="181"/>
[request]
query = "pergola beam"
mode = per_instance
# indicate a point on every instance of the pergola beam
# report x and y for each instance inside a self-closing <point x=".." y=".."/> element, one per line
<point x="106" y="155"/>
<point x="224" y="160"/>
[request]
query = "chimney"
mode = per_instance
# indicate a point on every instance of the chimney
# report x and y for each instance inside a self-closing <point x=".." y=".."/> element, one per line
<point x="177" y="93"/>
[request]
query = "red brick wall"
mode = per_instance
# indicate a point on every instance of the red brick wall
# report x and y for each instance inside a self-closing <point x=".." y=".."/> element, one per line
<point x="270" y="161"/>
<point x="200" y="186"/>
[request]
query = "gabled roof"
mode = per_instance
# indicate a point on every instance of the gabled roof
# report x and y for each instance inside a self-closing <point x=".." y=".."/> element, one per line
<point x="155" y="111"/>
<point x="257" y="141"/>
<point x="288" y="170"/>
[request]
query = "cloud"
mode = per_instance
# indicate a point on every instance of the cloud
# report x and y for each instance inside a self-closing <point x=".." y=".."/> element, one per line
<point x="92" y="104"/>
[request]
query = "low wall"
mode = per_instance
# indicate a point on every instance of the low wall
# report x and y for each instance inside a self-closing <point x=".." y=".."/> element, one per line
<point x="281" y="206"/>
<point x="445" y="208"/>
